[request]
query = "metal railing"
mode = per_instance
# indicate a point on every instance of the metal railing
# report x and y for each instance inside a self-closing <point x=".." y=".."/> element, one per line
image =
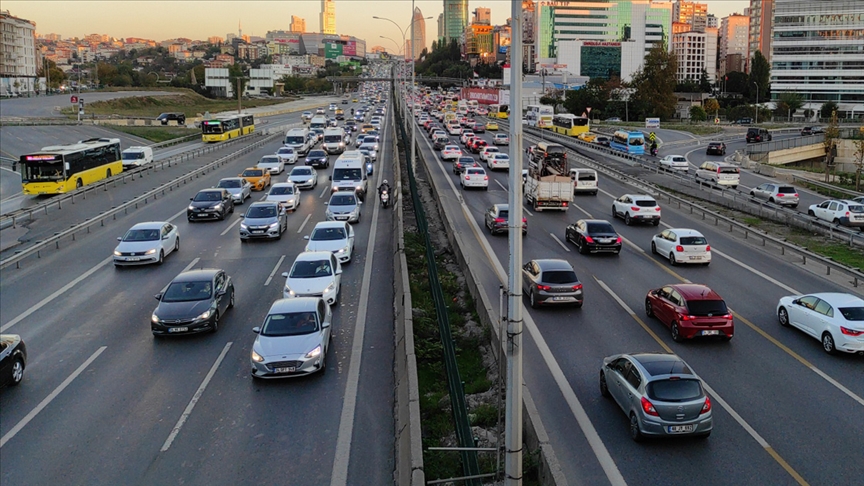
<point x="826" y="187"/>
<point x="765" y="147"/>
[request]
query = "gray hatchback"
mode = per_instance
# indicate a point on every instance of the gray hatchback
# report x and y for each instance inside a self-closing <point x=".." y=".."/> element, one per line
<point x="265" y="219"/>
<point x="551" y="282"/>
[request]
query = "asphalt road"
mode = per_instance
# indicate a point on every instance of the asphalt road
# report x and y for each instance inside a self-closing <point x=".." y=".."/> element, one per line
<point x="48" y="106"/>
<point x="777" y="420"/>
<point x="102" y="396"/>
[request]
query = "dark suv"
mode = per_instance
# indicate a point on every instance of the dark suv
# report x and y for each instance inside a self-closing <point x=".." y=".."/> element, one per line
<point x="164" y="118"/>
<point x="210" y="204"/>
<point x="758" y="135"/>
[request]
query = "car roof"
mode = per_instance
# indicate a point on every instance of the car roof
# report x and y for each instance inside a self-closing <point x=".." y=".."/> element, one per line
<point x="685" y="232"/>
<point x="149" y="225"/>
<point x="213" y="189"/>
<point x="331" y="224"/>
<point x="263" y="203"/>
<point x="658" y="364"/>
<point x="839" y="298"/>
<point x="553" y="264"/>
<point x="196" y="275"/>
<point x="282" y="184"/>
<point x="307" y="256"/>
<point x="296" y="304"/>
<point x="594" y="221"/>
<point x="692" y="291"/>
<point x="231" y="179"/>
<point x="254" y="168"/>
<point x="502" y="206"/>
<point x="641" y="197"/>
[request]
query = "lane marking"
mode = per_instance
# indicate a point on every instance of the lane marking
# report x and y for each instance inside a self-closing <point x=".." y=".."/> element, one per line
<point x="756" y="272"/>
<point x="501" y="185"/>
<point x="195" y="398"/>
<point x="743" y="423"/>
<point x="267" y="282"/>
<point x="56" y="294"/>
<point x="51" y="396"/>
<point x="237" y="220"/>
<point x="323" y="192"/>
<point x="580" y="209"/>
<point x="526" y="210"/>
<point x="304" y="223"/>
<point x="559" y="242"/>
<point x="179" y="213"/>
<point x="185" y="269"/>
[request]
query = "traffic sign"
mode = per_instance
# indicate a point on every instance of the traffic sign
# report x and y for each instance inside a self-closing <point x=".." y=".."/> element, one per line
<point x="74" y="99"/>
<point x="652" y="136"/>
<point x="716" y="121"/>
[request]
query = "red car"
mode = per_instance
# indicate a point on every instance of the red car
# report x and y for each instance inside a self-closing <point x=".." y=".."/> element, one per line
<point x="689" y="311"/>
<point x="478" y="128"/>
<point x="477" y="145"/>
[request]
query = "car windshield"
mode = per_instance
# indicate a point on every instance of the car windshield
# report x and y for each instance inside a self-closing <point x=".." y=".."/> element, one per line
<point x="597" y="228"/>
<point x="706" y="307"/>
<point x="292" y="324"/>
<point x="674" y="390"/>
<point x="728" y="170"/>
<point x="343" y="200"/>
<point x="504" y="213"/>
<point x="187" y="291"/>
<point x="679" y="159"/>
<point x="786" y="190"/>
<point x="132" y="155"/>
<point x="229" y="184"/>
<point x="852" y="313"/>
<point x="268" y="211"/>
<point x="559" y="277"/>
<point x="269" y="160"/>
<point x="311" y="269"/>
<point x="281" y="190"/>
<point x="347" y="174"/>
<point x="301" y="171"/>
<point x="328" y="234"/>
<point x="141" y="235"/>
<point x="646" y="203"/>
<point x="253" y="173"/>
<point x="208" y="196"/>
<point x="317" y="153"/>
<point x="693" y="240"/>
<point x="296" y="140"/>
<point x="466" y="160"/>
<point x="285" y="151"/>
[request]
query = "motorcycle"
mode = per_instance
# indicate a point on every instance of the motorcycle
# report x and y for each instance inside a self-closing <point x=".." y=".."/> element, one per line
<point x="385" y="198"/>
<point x="654" y="151"/>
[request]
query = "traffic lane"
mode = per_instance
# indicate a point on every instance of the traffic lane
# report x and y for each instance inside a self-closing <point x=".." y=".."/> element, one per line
<point x="20" y="140"/>
<point x="10" y="186"/>
<point x="44" y="106"/>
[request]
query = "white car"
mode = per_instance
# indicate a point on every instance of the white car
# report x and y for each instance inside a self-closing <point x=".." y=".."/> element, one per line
<point x="294" y="339"/>
<point x="498" y="161"/>
<point x="474" y="177"/>
<point x="314" y="274"/>
<point x="838" y="211"/>
<point x="146" y="243"/>
<point x="239" y="188"/>
<point x="372" y="148"/>
<point x="836" y="319"/>
<point x="287" y="154"/>
<point x="484" y="154"/>
<point x="501" y="139"/>
<point x="272" y="163"/>
<point x="465" y="134"/>
<point x="286" y="194"/>
<point x="681" y="245"/>
<point x="454" y="129"/>
<point x="451" y="152"/>
<point x="304" y="177"/>
<point x="336" y="237"/>
<point x="674" y="162"/>
<point x="636" y="208"/>
<point x="332" y="107"/>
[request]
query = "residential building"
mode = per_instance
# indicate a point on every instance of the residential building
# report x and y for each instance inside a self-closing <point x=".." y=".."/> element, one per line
<point x="482" y="15"/>
<point x="455" y="19"/>
<point x="696" y="52"/>
<point x="761" y="21"/>
<point x="215" y="40"/>
<point x="328" y="17"/>
<point x="298" y="24"/>
<point x="695" y="14"/>
<point x="817" y="51"/>
<point x="478" y="42"/>
<point x="529" y="36"/>
<point x="440" y="27"/>
<point x="501" y="39"/>
<point x="418" y="42"/>
<point x="733" y="43"/>
<point x="713" y="21"/>
<point x="17" y="55"/>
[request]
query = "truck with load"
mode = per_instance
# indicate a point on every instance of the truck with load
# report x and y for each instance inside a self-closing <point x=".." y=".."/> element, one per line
<point x="548" y="184"/>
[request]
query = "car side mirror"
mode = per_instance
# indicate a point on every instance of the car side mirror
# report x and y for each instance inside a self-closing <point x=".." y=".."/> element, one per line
<point x="330" y="178"/>
<point x="165" y="237"/>
<point x="220" y="293"/>
<point x="256" y="330"/>
<point x="191" y="198"/>
<point x="796" y="301"/>
<point x="339" y="272"/>
<point x="119" y="238"/>
<point x="159" y="296"/>
<point x="325" y="324"/>
<point x="285" y="274"/>
<point x="327" y="203"/>
<point x="306" y="237"/>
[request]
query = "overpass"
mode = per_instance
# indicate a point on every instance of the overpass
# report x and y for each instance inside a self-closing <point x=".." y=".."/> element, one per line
<point x="338" y="81"/>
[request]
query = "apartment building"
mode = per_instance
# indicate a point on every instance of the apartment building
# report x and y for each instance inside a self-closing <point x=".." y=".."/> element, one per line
<point x="18" y="64"/>
<point x="733" y="43"/>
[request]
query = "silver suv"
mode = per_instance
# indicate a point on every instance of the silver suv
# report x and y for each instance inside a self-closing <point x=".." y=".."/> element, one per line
<point x="551" y="282"/>
<point x="777" y="194"/>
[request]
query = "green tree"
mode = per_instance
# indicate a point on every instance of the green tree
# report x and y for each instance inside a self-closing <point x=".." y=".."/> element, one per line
<point x="712" y="106"/>
<point x="832" y="133"/>
<point x="782" y="110"/>
<point x="705" y="83"/>
<point x="760" y="74"/>
<point x="827" y="109"/>
<point x="595" y="94"/>
<point x="235" y="75"/>
<point x="698" y="114"/>
<point x="792" y="100"/>
<point x="858" y="159"/>
<point x="736" y="83"/>
<point x="655" y="85"/>
<point x="106" y="73"/>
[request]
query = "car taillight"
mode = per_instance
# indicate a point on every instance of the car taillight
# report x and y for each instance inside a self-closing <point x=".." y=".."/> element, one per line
<point x="467" y="178"/>
<point x="648" y="408"/>
<point x="485" y="178"/>
<point x="795" y="195"/>
<point x="588" y="239"/>
<point x="618" y="241"/>
<point x="779" y="195"/>
<point x="850" y="332"/>
<point x="544" y="287"/>
<point x="524" y="220"/>
<point x="847" y="214"/>
<point x="500" y="220"/>
<point x="679" y="248"/>
<point x="564" y="204"/>
<point x="577" y="287"/>
<point x="707" y="247"/>
<point x="707" y="407"/>
<point x="634" y="208"/>
<point x="686" y="317"/>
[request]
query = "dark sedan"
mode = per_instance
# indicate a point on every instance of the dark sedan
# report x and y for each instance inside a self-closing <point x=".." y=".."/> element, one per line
<point x="317" y="159"/>
<point x="716" y="148"/>
<point x="193" y="302"/>
<point x="13" y="359"/>
<point x="478" y="128"/>
<point x="210" y="204"/>
<point x="462" y="162"/>
<point x="497" y="219"/>
<point x="602" y="140"/>
<point x="477" y="145"/>
<point x="440" y="143"/>
<point x="594" y="236"/>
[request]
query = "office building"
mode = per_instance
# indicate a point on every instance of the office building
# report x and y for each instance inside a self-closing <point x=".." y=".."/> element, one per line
<point x="733" y="43"/>
<point x="455" y="19"/>
<point x="297" y="24"/>
<point x="418" y="42"/>
<point x="482" y="15"/>
<point x="529" y="35"/>
<point x="818" y="52"/>
<point x="761" y="20"/>
<point x="328" y="17"/>
<point x="692" y="13"/>
<point x="440" y="26"/>
<point x="713" y="22"/>
<point x="478" y="42"/>
<point x="17" y="55"/>
<point x="696" y="52"/>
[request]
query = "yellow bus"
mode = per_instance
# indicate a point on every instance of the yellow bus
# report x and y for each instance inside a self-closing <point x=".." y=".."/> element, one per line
<point x="569" y="124"/>
<point x="227" y="127"/>
<point x="499" y="111"/>
<point x="58" y="169"/>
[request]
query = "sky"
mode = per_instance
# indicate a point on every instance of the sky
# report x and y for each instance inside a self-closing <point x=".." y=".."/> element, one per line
<point x="198" y="20"/>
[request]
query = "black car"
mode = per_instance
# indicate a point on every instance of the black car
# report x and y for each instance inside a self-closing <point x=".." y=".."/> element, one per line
<point x="812" y="131"/>
<point x="193" y="302"/>
<point x="164" y="118"/>
<point x="344" y="102"/>
<point x="594" y="236"/>
<point x="755" y="134"/>
<point x="462" y="162"/>
<point x="317" y="159"/>
<point x="602" y="140"/>
<point x="351" y="126"/>
<point x="440" y="143"/>
<point x="716" y="148"/>
<point x="213" y="203"/>
<point x="13" y="359"/>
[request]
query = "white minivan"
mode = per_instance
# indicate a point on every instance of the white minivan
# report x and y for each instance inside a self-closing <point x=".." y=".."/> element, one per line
<point x="298" y="139"/>
<point x="334" y="140"/>
<point x="584" y="181"/>
<point x="349" y="173"/>
<point x="137" y="156"/>
<point x="719" y="173"/>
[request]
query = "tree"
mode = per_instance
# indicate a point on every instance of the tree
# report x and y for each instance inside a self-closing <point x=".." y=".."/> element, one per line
<point x="712" y="106"/>
<point x="235" y="75"/>
<point x="808" y="113"/>
<point x="760" y="73"/>
<point x="832" y="133"/>
<point x="827" y="109"/>
<point x="704" y="82"/>
<point x="595" y="93"/>
<point x="792" y="100"/>
<point x="858" y="159"/>
<point x="737" y="82"/>
<point x="782" y="110"/>
<point x="697" y="113"/>
<point x="655" y="85"/>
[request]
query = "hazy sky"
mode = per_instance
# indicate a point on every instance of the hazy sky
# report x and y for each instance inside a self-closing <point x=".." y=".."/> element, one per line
<point x="159" y="20"/>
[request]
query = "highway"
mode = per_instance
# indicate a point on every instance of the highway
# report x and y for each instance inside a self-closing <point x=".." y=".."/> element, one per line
<point x="785" y="412"/>
<point x="110" y="404"/>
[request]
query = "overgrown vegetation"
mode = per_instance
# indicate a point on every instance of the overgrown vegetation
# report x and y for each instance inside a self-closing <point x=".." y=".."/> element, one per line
<point x="156" y="134"/>
<point x="186" y="101"/>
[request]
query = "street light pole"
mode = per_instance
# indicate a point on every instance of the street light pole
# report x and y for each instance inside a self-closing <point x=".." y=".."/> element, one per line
<point x="757" y="102"/>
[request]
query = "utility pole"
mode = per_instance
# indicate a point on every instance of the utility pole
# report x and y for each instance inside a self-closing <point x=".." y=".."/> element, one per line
<point x="513" y="402"/>
<point x="413" y="122"/>
<point x="80" y="107"/>
<point x="757" y="102"/>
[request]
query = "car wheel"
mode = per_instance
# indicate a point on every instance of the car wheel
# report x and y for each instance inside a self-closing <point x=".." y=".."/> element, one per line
<point x="772" y="201"/>
<point x="215" y="326"/>
<point x="177" y="244"/>
<point x="232" y="208"/>
<point x="656" y="222"/>
<point x="604" y="388"/>
<point x="582" y="249"/>
<point x="17" y="372"/>
<point x="672" y="260"/>
<point x="532" y="299"/>
<point x="161" y="257"/>
<point x="614" y="213"/>
<point x="676" y="333"/>
<point x="78" y="184"/>
<point x="653" y="248"/>
<point x="635" y="433"/>
<point x="836" y="221"/>
<point x="828" y="343"/>
<point x="231" y="302"/>
<point x="627" y="220"/>
<point x="810" y="212"/>
<point x="649" y="308"/>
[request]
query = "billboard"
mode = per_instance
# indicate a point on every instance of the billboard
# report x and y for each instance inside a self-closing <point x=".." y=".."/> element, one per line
<point x="349" y="49"/>
<point x="332" y="50"/>
<point x="484" y="96"/>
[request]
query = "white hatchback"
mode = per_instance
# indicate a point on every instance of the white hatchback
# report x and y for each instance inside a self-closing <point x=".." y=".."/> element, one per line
<point x="681" y="245"/>
<point x="674" y="162"/>
<point x="498" y="161"/>
<point x="286" y="194"/>
<point x="287" y="154"/>
<point x="333" y="236"/>
<point x="636" y="208"/>
<point x="474" y="177"/>
<point x="484" y="154"/>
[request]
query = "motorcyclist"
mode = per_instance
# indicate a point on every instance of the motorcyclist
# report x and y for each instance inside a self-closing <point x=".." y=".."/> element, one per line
<point x="352" y="111"/>
<point x="383" y="187"/>
<point x="653" y="148"/>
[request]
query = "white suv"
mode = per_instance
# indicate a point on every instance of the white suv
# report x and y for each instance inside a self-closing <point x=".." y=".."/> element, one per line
<point x="838" y="211"/>
<point x="636" y="208"/>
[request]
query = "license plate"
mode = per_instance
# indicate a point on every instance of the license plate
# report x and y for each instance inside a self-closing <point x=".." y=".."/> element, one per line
<point x="679" y="429"/>
<point x="695" y="257"/>
<point x="178" y="329"/>
<point x="287" y="369"/>
<point x="561" y="298"/>
<point x="710" y="333"/>
<point x="604" y="240"/>
<point x="133" y="259"/>
<point x="257" y="232"/>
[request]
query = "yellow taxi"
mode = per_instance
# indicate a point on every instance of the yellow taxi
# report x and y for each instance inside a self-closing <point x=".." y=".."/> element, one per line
<point x="339" y="111"/>
<point x="587" y="137"/>
<point x="491" y="125"/>
<point x="259" y="178"/>
<point x="354" y="100"/>
<point x="367" y="128"/>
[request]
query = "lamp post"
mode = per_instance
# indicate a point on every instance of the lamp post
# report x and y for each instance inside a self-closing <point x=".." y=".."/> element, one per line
<point x="757" y="102"/>
<point x="398" y="49"/>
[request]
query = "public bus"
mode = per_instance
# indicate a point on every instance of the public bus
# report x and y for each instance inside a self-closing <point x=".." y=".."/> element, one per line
<point x="570" y="124"/>
<point x="499" y="111"/>
<point x="539" y="116"/>
<point x="58" y="169"/>
<point x="227" y="127"/>
<point x="630" y="142"/>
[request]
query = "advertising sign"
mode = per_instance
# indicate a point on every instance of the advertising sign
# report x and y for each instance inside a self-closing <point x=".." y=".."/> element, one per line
<point x="350" y="48"/>
<point x="652" y="123"/>
<point x="484" y="96"/>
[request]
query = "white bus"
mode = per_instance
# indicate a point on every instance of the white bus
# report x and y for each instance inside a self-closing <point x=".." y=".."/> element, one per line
<point x="539" y="116"/>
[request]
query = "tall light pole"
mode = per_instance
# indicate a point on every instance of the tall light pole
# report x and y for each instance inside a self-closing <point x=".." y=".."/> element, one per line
<point x="398" y="49"/>
<point x="757" y="102"/>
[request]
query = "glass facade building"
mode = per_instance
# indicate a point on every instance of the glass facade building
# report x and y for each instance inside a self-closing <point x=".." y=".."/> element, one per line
<point x="455" y="19"/>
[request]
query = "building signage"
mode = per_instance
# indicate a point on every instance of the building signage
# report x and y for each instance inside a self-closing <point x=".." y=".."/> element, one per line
<point x="601" y="44"/>
<point x="481" y="95"/>
<point x="652" y="123"/>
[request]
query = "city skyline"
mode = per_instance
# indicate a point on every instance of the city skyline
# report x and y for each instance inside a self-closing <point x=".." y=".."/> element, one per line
<point x="353" y="17"/>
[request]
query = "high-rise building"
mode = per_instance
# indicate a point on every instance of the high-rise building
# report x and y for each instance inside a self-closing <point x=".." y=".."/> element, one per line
<point x="761" y="21"/>
<point x="455" y="19"/>
<point x="17" y="55"/>
<point x="328" y="17"/>
<point x="696" y="52"/>
<point x="482" y="15"/>
<point x="817" y="52"/>
<point x="733" y="43"/>
<point x="529" y="35"/>
<point x="478" y="42"/>
<point x="695" y="14"/>
<point x="298" y="24"/>
<point x="713" y="21"/>
<point x="440" y="26"/>
<point x="418" y="42"/>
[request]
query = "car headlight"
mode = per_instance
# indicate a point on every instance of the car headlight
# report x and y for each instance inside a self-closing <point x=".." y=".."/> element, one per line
<point x="315" y="352"/>
<point x="274" y="225"/>
<point x="343" y="250"/>
<point x="218" y="207"/>
<point x="154" y="318"/>
<point x="243" y="226"/>
<point x="330" y="287"/>
<point x="150" y="251"/>
<point x="204" y="315"/>
<point x="359" y="188"/>
<point x="190" y="208"/>
<point x="116" y="253"/>
<point x="257" y="357"/>
<point x="289" y="291"/>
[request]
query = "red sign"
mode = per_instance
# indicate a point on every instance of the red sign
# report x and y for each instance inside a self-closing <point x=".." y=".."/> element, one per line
<point x="74" y="100"/>
<point x="601" y="43"/>
<point x="483" y="96"/>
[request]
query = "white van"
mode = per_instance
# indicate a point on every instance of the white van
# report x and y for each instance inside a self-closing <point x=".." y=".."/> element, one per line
<point x="584" y="181"/>
<point x="298" y="139"/>
<point x="349" y="173"/>
<point x="318" y="121"/>
<point x="334" y="140"/>
<point x="137" y="156"/>
<point x="719" y="173"/>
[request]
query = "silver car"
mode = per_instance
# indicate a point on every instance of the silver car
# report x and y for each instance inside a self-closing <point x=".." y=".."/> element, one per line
<point x="294" y="339"/>
<point x="343" y="206"/>
<point x="304" y="177"/>
<point x="239" y="188"/>
<point x="551" y="282"/>
<point x="264" y="219"/>
<point x="659" y="393"/>
<point x="777" y="194"/>
<point x="371" y="147"/>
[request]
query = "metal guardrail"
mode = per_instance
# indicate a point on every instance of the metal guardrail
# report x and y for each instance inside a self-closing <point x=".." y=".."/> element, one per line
<point x="125" y="207"/>
<point x="827" y="187"/>
<point x="765" y="147"/>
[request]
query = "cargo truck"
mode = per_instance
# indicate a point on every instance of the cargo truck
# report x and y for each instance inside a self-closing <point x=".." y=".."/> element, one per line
<point x="548" y="184"/>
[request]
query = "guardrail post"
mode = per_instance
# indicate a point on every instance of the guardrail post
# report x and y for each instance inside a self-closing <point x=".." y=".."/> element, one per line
<point x="828" y="270"/>
<point x="805" y="259"/>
